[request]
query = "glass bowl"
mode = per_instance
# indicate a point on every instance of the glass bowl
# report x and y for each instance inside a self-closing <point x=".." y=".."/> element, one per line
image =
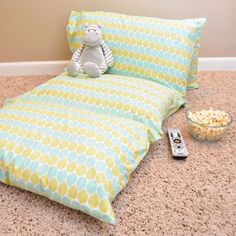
<point x="203" y="132"/>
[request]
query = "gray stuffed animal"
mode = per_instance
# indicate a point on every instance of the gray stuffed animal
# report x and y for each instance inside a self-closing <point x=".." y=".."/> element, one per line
<point x="93" y="57"/>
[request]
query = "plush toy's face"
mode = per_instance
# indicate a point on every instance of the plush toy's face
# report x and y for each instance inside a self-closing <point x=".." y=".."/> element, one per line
<point x="92" y="36"/>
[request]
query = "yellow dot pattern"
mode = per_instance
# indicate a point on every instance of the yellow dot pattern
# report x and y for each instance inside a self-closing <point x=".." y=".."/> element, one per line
<point x="77" y="140"/>
<point x="160" y="50"/>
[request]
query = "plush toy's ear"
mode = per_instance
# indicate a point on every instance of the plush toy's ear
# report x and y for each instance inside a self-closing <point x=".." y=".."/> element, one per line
<point x="99" y="26"/>
<point x="86" y="25"/>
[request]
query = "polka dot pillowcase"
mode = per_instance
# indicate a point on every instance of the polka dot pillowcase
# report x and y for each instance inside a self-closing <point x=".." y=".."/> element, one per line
<point x="164" y="51"/>
<point x="77" y="141"/>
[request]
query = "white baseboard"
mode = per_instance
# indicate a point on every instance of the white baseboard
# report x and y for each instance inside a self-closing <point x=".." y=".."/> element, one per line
<point x="32" y="68"/>
<point x="217" y="64"/>
<point x="56" y="67"/>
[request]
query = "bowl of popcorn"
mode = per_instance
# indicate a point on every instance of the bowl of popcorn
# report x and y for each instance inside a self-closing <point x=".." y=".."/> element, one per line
<point x="207" y="125"/>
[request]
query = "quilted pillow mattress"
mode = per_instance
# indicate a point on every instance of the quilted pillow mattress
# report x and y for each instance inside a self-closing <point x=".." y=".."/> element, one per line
<point x="77" y="140"/>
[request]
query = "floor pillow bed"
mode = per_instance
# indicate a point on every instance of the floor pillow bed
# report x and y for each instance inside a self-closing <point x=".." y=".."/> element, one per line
<point x="77" y="140"/>
<point x="156" y="49"/>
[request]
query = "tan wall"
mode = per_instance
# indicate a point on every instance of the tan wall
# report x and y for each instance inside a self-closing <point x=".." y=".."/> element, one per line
<point x="35" y="30"/>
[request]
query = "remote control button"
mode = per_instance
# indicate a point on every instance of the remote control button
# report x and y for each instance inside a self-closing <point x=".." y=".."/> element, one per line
<point x="177" y="140"/>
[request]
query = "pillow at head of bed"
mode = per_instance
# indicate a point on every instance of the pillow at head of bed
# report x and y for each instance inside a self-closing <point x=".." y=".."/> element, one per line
<point x="160" y="50"/>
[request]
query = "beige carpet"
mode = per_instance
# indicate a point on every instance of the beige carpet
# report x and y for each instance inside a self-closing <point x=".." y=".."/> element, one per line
<point x="163" y="197"/>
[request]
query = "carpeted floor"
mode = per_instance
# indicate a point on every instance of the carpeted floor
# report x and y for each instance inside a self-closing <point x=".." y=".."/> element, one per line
<point x="163" y="197"/>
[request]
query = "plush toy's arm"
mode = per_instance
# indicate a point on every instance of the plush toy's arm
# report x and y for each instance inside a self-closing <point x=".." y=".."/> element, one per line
<point x="77" y="54"/>
<point x="108" y="54"/>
